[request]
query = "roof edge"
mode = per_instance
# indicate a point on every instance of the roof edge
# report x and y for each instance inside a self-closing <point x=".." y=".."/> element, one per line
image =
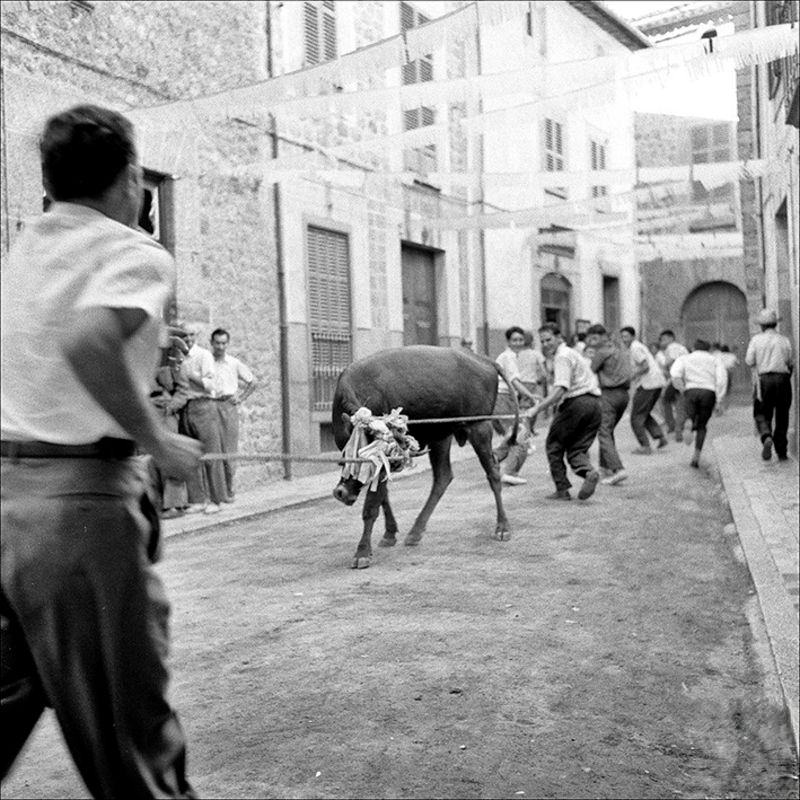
<point x="620" y="29"/>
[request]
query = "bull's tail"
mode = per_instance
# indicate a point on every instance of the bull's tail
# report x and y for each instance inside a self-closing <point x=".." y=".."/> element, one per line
<point x="513" y="393"/>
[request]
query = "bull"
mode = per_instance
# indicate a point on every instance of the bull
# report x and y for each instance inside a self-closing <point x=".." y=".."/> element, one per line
<point x="428" y="383"/>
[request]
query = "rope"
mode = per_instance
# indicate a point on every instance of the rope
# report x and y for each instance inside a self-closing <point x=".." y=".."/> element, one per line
<point x="339" y="461"/>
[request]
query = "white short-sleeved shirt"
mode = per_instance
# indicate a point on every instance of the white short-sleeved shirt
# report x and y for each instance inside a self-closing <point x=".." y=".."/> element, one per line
<point x="199" y="366"/>
<point x="654" y="377"/>
<point x="68" y="260"/>
<point x="701" y="370"/>
<point x="508" y="361"/>
<point x="228" y="371"/>
<point x="769" y="351"/>
<point x="573" y="372"/>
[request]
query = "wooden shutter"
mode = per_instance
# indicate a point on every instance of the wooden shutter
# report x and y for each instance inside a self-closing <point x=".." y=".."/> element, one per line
<point x="329" y="314"/>
<point x="319" y="28"/>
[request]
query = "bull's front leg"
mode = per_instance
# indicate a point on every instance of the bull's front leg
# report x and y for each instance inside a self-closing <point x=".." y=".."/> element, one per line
<point x="372" y="507"/>
<point x="442" y="476"/>
<point x="480" y="437"/>
<point x="390" y="534"/>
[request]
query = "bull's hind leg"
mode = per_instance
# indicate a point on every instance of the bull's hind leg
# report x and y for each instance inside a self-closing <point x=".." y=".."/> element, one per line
<point x="390" y="534"/>
<point x="442" y="475"/>
<point x="372" y="507"/>
<point x="480" y="437"/>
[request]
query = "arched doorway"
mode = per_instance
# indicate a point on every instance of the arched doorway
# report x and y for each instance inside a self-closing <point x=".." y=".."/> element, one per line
<point x="717" y="312"/>
<point x="556" y="295"/>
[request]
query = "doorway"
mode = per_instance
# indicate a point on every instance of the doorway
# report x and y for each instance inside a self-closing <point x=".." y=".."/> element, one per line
<point x="419" y="296"/>
<point x="717" y="312"/>
<point x="556" y="296"/>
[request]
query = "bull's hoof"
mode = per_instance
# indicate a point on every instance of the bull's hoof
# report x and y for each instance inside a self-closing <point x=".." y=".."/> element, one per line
<point x="361" y="562"/>
<point x="412" y="539"/>
<point x="387" y="541"/>
<point x="501" y="535"/>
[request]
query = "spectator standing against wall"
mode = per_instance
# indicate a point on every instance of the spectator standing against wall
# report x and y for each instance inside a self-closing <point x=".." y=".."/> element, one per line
<point x="577" y="419"/>
<point x="511" y="456"/>
<point x="207" y="489"/>
<point x="84" y="615"/>
<point x="702" y="380"/>
<point x="671" y="398"/>
<point x="769" y="355"/>
<point x="613" y="369"/>
<point x="233" y="384"/>
<point x="647" y="382"/>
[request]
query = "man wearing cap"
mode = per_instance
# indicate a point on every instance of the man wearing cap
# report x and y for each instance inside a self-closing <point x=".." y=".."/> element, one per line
<point x="769" y="355"/>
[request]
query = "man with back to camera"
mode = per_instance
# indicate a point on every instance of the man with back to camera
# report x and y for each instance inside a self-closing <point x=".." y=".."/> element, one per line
<point x="702" y="380"/>
<point x="84" y="614"/>
<point x="577" y="420"/>
<point x="613" y="368"/>
<point x="769" y="355"/>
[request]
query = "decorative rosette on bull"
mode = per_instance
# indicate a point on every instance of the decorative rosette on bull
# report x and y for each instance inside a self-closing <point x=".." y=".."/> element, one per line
<point x="383" y="442"/>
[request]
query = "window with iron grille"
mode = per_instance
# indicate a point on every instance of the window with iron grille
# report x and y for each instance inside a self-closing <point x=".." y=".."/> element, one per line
<point x="329" y="311"/>
<point x="554" y="160"/>
<point x="319" y="21"/>
<point x="598" y="162"/>
<point x="420" y="159"/>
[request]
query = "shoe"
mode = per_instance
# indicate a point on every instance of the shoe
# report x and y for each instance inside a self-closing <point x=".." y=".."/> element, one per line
<point x="212" y="508"/>
<point x="695" y="462"/>
<point x="617" y="477"/>
<point x="193" y="508"/>
<point x="531" y="449"/>
<point x="171" y="513"/>
<point x="688" y="437"/>
<point x="512" y="480"/>
<point x="560" y="494"/>
<point x="228" y="500"/>
<point x="766" y="449"/>
<point x="589" y="485"/>
<point x="642" y="451"/>
<point x="783" y="458"/>
<point x="678" y="437"/>
<point x="662" y="442"/>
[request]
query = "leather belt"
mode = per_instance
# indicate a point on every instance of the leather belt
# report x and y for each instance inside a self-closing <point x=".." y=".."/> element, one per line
<point x="103" y="448"/>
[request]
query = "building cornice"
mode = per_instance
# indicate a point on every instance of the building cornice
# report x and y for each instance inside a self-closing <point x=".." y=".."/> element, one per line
<point x="617" y="27"/>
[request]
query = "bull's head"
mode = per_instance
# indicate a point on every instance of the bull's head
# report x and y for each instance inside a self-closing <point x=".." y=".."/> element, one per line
<point x="347" y="490"/>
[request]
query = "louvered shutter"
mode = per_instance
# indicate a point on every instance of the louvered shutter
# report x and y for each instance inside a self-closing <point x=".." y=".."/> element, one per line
<point x="329" y="31"/>
<point x="329" y="311"/>
<point x="319" y="28"/>
<point x="421" y="159"/>
<point x="311" y="30"/>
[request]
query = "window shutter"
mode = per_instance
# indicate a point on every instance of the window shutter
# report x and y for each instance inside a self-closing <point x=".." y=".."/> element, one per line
<point x="329" y="311"/>
<point x="311" y="21"/>
<point x="548" y="134"/>
<point x="329" y="31"/>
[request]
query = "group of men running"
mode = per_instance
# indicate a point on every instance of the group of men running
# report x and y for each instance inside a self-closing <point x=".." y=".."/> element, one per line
<point x="592" y="384"/>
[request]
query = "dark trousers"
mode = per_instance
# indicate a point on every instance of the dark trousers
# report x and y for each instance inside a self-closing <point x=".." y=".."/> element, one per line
<point x="776" y="400"/>
<point x="202" y="423"/>
<point x="699" y="405"/>
<point x="674" y="419"/>
<point x="84" y="624"/>
<point x="613" y="403"/>
<point x="642" y="419"/>
<point x="229" y="425"/>
<point x="572" y="431"/>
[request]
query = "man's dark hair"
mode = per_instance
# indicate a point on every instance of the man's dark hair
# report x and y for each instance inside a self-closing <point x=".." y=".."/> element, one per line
<point x="83" y="151"/>
<point x="596" y="330"/>
<point x="629" y="329"/>
<point x="701" y="344"/>
<point x="514" y="329"/>
<point x="220" y="332"/>
<point x="551" y="327"/>
<point x="667" y="332"/>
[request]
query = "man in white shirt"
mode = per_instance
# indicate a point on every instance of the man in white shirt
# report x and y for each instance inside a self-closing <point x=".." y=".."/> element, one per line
<point x="648" y="381"/>
<point x="84" y="615"/>
<point x="577" y="420"/>
<point x="510" y="456"/>
<point x="233" y="383"/>
<point x="207" y="489"/>
<point x="668" y="351"/>
<point x="702" y="379"/>
<point x="770" y="356"/>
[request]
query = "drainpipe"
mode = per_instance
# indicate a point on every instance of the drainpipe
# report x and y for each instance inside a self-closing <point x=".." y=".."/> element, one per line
<point x="759" y="181"/>
<point x="283" y="342"/>
<point x="481" y="232"/>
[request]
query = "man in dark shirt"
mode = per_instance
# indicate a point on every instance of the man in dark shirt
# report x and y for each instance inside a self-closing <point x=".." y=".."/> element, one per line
<point x="613" y="368"/>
